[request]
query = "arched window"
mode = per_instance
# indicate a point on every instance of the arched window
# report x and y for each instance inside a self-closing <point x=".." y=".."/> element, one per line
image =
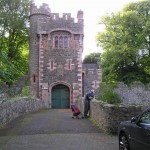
<point x="60" y="42"/>
<point x="60" y="39"/>
<point x="65" y="42"/>
<point x="56" y="42"/>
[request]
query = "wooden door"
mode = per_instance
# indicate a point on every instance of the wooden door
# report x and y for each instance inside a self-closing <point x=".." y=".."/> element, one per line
<point x="60" y="97"/>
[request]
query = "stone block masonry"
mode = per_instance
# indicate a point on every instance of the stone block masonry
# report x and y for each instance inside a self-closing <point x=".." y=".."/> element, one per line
<point x="10" y="110"/>
<point x="136" y="93"/>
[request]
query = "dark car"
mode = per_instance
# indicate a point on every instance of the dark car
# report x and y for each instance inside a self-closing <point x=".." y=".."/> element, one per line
<point x="135" y="134"/>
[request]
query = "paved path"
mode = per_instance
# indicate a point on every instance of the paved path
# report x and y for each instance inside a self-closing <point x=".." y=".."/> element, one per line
<point x="54" y="130"/>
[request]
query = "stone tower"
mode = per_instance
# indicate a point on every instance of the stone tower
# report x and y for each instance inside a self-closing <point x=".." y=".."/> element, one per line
<point x="56" y="45"/>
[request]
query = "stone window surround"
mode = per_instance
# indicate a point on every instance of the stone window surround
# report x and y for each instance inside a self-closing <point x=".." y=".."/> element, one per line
<point x="52" y="64"/>
<point x="69" y="61"/>
<point x="61" y="41"/>
<point x="95" y="84"/>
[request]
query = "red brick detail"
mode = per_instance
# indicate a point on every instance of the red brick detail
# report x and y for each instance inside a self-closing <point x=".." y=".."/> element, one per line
<point x="79" y="75"/>
<point x="79" y="80"/>
<point x="45" y="94"/>
<point x="75" y="94"/>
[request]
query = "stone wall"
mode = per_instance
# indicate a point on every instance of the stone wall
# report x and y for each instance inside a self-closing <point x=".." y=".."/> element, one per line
<point x="10" y="110"/>
<point x="136" y="93"/>
<point x="108" y="116"/>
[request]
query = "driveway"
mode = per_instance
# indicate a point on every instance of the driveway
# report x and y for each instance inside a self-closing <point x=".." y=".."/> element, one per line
<point x="54" y="129"/>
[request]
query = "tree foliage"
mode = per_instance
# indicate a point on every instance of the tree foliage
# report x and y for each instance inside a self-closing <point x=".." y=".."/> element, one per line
<point x="14" y="39"/>
<point x="92" y="58"/>
<point x="126" y="44"/>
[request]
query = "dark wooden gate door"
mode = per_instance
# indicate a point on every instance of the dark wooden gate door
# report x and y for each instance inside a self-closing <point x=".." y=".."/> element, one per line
<point x="60" y="96"/>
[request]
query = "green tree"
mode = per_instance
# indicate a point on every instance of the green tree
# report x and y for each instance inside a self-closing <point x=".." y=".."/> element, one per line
<point x="14" y="39"/>
<point x="126" y="36"/>
<point x="93" y="58"/>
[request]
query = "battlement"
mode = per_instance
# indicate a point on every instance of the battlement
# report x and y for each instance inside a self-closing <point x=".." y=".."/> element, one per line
<point x="65" y="16"/>
<point x="44" y="9"/>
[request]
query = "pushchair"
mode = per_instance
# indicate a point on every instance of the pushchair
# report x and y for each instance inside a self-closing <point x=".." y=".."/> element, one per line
<point x="76" y="112"/>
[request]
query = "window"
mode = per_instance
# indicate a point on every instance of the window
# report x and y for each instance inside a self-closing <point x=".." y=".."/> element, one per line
<point x="145" y="118"/>
<point x="69" y="64"/>
<point x="52" y="65"/>
<point x="33" y="78"/>
<point x="61" y="42"/>
<point x="95" y="84"/>
<point x="65" y="42"/>
<point x="56" y="42"/>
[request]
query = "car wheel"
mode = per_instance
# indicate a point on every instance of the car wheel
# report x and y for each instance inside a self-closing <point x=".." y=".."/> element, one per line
<point x="123" y="142"/>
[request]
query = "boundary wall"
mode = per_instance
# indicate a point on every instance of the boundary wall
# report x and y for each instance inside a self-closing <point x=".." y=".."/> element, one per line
<point x="10" y="110"/>
<point x="108" y="116"/>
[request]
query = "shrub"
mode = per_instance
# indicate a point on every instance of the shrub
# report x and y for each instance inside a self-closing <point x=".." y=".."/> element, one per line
<point x="108" y="95"/>
<point x="25" y="91"/>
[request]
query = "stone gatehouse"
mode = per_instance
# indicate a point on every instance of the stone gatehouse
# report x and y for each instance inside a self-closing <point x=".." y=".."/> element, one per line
<point x="56" y="46"/>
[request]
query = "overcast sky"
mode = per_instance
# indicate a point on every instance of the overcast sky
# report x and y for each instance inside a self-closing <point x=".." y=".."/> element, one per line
<point x="93" y="10"/>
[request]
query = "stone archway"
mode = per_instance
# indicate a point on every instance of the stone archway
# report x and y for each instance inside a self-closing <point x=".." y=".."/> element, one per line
<point x="60" y="96"/>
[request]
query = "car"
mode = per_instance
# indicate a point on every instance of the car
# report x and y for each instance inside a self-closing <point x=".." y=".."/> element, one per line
<point x="135" y="134"/>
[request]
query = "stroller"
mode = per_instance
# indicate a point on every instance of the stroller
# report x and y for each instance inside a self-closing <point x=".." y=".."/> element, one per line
<point x="76" y="112"/>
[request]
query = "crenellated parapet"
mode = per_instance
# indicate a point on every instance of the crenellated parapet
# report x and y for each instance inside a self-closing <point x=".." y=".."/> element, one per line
<point x="65" y="17"/>
<point x="45" y="21"/>
<point x="43" y="9"/>
<point x="66" y="22"/>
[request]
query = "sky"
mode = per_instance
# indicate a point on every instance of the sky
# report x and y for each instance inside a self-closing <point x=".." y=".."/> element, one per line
<point x="93" y="10"/>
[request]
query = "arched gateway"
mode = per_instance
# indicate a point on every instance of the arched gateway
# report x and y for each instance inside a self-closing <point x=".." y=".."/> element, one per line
<point x="60" y="96"/>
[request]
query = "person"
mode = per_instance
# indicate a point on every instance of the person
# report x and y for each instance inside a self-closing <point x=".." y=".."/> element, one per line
<point x="88" y="97"/>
